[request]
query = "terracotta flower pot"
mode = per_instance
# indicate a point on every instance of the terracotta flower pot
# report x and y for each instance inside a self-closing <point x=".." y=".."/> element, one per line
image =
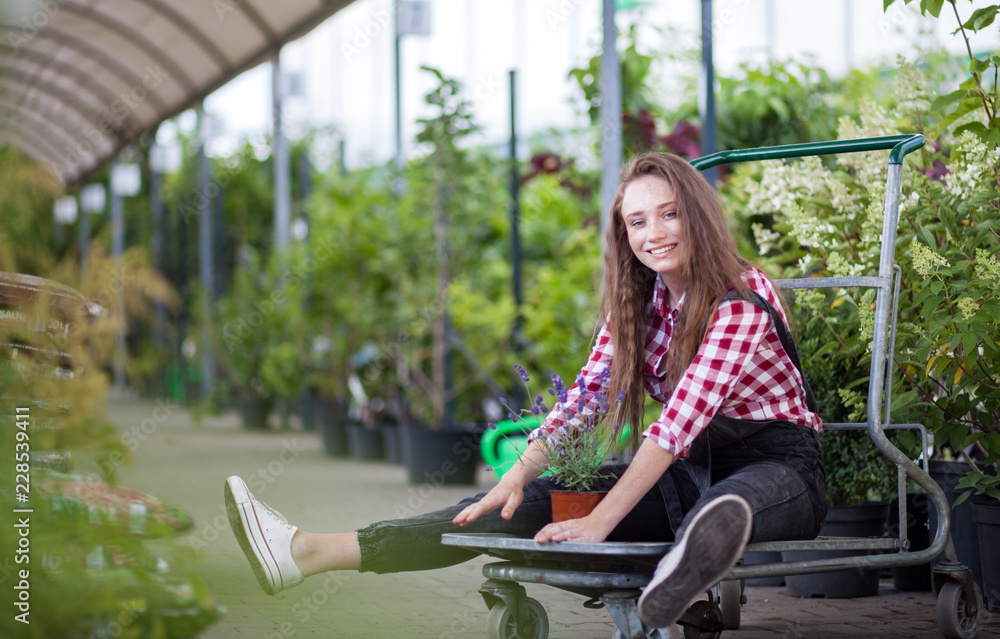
<point x="567" y="504"/>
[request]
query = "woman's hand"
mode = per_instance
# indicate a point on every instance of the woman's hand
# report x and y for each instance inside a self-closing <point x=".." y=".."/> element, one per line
<point x="590" y="528"/>
<point x="507" y="494"/>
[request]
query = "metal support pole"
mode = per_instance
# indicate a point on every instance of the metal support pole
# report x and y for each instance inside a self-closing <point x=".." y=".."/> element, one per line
<point x="342" y="156"/>
<point x="117" y="250"/>
<point x="158" y="231"/>
<point x="518" y="394"/>
<point x="398" y="184"/>
<point x="515" y="208"/>
<point x="611" y="113"/>
<point x="848" y="35"/>
<point x="706" y="97"/>
<point x="279" y="153"/>
<point x="84" y="239"/>
<point x="205" y="259"/>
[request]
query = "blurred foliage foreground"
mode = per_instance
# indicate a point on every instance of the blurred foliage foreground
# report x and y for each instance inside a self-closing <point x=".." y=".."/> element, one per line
<point x="74" y="559"/>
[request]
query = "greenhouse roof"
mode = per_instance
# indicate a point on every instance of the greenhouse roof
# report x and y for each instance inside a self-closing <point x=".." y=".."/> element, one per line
<point x="80" y="79"/>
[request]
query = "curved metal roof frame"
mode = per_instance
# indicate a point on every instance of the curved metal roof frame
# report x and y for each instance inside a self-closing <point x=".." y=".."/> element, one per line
<point x="90" y="76"/>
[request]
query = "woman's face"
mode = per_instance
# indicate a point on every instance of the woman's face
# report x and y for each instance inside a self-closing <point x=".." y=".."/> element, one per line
<point x="649" y="211"/>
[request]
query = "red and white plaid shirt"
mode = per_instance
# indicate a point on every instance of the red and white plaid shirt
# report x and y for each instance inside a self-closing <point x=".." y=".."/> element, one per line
<point x="740" y="370"/>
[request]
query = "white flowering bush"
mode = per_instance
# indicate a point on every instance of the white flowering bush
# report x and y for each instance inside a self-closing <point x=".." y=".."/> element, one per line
<point x="824" y="217"/>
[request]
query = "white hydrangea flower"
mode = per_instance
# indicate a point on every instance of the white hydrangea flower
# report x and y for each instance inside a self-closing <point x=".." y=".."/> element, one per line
<point x="910" y="88"/>
<point x="973" y="166"/>
<point x="765" y="238"/>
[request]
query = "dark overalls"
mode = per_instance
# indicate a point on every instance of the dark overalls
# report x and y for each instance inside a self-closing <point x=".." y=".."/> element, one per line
<point x="777" y="466"/>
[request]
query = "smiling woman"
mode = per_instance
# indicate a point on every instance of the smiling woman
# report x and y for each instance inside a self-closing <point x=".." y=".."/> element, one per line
<point x="654" y="231"/>
<point x="688" y="322"/>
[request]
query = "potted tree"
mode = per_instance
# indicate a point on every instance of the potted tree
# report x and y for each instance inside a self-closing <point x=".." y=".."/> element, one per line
<point x="437" y="449"/>
<point x="259" y="334"/>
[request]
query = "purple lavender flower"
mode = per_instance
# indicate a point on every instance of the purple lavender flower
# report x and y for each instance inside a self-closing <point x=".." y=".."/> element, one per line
<point x="491" y="426"/>
<point x="561" y="393"/>
<point x="602" y="402"/>
<point x="616" y="426"/>
<point x="520" y="371"/>
<point x="542" y="407"/>
<point x="605" y="375"/>
<point x="535" y="410"/>
<point x="513" y="416"/>
<point x="621" y="396"/>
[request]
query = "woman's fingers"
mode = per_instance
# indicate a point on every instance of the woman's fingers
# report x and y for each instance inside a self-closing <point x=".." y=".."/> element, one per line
<point x="584" y="529"/>
<point x="513" y="501"/>
<point x="471" y="513"/>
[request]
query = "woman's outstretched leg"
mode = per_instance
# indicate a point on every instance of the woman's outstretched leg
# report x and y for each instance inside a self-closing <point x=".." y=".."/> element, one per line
<point x="281" y="556"/>
<point x="320" y="552"/>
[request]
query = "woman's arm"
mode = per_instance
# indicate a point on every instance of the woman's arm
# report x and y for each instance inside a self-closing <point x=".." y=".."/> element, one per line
<point x="509" y="493"/>
<point x="649" y="463"/>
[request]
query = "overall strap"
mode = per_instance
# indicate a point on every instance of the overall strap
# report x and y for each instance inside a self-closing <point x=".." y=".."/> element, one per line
<point x="783" y="334"/>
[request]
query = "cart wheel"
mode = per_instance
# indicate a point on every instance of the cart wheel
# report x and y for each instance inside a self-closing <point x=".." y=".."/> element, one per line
<point x="730" y="600"/>
<point x="953" y="620"/>
<point x="500" y="624"/>
<point x="710" y="614"/>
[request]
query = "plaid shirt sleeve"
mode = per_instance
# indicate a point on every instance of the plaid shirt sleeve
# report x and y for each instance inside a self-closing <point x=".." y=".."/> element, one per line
<point x="730" y="341"/>
<point x="583" y="396"/>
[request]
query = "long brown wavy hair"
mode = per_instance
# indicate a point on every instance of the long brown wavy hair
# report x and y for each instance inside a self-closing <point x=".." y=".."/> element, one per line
<point x="711" y="266"/>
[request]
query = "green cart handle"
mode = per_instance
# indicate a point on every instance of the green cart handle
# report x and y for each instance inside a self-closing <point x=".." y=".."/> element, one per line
<point x="502" y="446"/>
<point x="901" y="146"/>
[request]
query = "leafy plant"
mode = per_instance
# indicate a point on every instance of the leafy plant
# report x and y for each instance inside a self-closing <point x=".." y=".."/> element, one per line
<point x="581" y="442"/>
<point x="818" y="219"/>
<point x="260" y="328"/>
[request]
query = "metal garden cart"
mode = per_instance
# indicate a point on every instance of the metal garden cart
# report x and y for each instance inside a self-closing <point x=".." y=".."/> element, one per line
<point x="611" y="574"/>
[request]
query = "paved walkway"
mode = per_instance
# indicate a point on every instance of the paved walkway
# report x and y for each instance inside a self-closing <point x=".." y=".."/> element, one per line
<point x="185" y="463"/>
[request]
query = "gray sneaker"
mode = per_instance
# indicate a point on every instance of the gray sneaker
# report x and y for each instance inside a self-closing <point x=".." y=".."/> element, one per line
<point x="265" y="537"/>
<point x="709" y="548"/>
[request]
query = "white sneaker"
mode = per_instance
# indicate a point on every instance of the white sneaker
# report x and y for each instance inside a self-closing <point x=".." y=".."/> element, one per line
<point x="265" y="537"/>
<point x="709" y="548"/>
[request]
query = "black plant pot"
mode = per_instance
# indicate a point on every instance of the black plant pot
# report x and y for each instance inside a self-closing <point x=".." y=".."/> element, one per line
<point x="254" y="411"/>
<point x="365" y="443"/>
<point x="963" y="529"/>
<point x="912" y="578"/>
<point x="757" y="558"/>
<point x="861" y="520"/>
<point x="987" y="518"/>
<point x="310" y="404"/>
<point x="440" y="457"/>
<point x="391" y="443"/>
<point x="332" y="430"/>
